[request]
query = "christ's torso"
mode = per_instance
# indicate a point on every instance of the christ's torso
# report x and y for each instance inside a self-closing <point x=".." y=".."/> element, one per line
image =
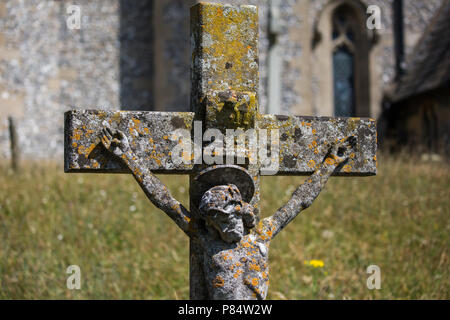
<point x="239" y="270"/>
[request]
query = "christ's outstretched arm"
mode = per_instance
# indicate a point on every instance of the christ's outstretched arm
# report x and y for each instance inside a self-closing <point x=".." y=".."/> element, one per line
<point x="305" y="194"/>
<point x="116" y="142"/>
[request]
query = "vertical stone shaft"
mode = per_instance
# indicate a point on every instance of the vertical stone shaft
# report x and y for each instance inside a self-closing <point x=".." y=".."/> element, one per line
<point x="224" y="44"/>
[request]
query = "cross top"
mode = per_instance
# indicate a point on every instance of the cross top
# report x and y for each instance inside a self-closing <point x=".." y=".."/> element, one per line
<point x="228" y="242"/>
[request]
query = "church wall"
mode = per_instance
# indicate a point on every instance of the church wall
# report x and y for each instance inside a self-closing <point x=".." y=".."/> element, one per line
<point x="135" y="56"/>
<point x="46" y="68"/>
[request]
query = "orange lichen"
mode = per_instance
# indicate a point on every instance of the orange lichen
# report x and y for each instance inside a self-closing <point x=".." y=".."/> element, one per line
<point x="226" y="257"/>
<point x="158" y="162"/>
<point x="254" y="267"/>
<point x="347" y="168"/>
<point x="247" y="245"/>
<point x="77" y="134"/>
<point x="88" y="150"/>
<point x="237" y="264"/>
<point x="330" y="161"/>
<point x="89" y="132"/>
<point x="238" y="272"/>
<point x="218" y="282"/>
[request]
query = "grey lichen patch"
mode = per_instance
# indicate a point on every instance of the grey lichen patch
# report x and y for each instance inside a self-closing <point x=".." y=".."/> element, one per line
<point x="149" y="134"/>
<point x="304" y="140"/>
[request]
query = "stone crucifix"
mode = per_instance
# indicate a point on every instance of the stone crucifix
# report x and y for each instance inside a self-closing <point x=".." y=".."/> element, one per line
<point x="228" y="242"/>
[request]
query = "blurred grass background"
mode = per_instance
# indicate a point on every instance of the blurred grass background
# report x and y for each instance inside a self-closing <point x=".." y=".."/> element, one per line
<point x="128" y="249"/>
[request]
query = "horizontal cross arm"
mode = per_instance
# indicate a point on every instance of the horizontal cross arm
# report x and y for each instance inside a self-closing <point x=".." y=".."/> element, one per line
<point x="148" y="133"/>
<point x="304" y="141"/>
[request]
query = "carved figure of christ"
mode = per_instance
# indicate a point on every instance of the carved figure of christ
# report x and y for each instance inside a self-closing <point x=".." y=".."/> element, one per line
<point x="235" y="248"/>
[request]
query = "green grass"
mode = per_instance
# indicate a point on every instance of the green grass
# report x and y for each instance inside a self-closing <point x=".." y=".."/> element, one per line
<point x="127" y="249"/>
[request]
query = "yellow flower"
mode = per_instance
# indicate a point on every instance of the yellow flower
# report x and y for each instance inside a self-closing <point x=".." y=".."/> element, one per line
<point x="314" y="263"/>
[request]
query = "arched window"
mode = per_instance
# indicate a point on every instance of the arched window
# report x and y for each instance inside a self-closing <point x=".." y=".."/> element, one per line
<point x="342" y="44"/>
<point x="344" y="37"/>
<point x="343" y="81"/>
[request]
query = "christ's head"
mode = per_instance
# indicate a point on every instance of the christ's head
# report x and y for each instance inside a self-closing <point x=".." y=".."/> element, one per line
<point x="223" y="209"/>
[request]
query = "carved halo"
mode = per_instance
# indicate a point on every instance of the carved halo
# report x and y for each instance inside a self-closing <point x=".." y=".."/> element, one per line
<point x="223" y="175"/>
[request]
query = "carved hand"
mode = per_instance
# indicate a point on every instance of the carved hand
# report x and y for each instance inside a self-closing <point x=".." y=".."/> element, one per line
<point x="115" y="142"/>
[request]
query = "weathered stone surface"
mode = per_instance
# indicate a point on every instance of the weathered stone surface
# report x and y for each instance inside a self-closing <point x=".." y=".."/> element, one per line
<point x="304" y="141"/>
<point x="224" y="45"/>
<point x="225" y="50"/>
<point x="149" y="134"/>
